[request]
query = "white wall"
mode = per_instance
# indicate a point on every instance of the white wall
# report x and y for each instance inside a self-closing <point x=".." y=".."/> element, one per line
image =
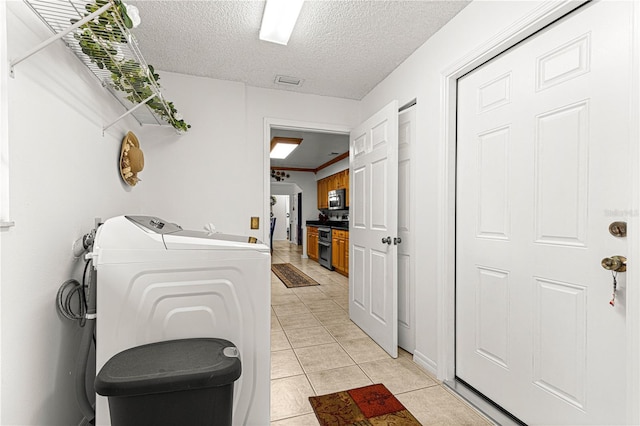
<point x="4" y="148"/>
<point x="291" y="190"/>
<point x="280" y="210"/>
<point x="205" y="175"/>
<point x="217" y="171"/>
<point x="284" y="188"/>
<point x="307" y="183"/>
<point x="420" y="77"/>
<point x="302" y="109"/>
<point x="333" y="169"/>
<point x="63" y="173"/>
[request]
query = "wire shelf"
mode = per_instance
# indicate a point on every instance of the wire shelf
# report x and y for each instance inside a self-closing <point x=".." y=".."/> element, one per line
<point x="97" y="35"/>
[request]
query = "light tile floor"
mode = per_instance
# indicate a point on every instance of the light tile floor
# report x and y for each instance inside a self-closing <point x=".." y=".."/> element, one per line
<point x="316" y="349"/>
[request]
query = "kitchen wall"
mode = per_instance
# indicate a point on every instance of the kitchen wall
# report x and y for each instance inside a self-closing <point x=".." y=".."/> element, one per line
<point x="307" y="183"/>
<point x="63" y="174"/>
<point x="333" y="169"/>
<point x="328" y="171"/>
<point x="420" y="77"/>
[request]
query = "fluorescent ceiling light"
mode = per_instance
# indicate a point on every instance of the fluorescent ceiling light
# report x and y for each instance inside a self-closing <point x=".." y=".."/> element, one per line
<point x="279" y="18"/>
<point x="282" y="147"/>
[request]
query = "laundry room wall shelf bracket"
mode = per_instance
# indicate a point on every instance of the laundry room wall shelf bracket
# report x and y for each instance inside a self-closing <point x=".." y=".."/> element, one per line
<point x="97" y="31"/>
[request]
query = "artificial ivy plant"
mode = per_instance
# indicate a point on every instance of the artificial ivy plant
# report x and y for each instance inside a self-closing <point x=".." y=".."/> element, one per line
<point x="100" y="40"/>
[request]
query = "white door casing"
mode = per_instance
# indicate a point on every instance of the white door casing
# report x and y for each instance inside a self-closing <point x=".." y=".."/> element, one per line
<point x="406" y="274"/>
<point x="542" y="130"/>
<point x="373" y="174"/>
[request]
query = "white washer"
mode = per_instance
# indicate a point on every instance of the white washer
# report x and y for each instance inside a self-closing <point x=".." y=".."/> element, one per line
<point x="157" y="282"/>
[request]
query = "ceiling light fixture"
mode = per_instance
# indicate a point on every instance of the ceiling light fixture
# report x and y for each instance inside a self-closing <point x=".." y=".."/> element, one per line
<point x="278" y="20"/>
<point x="282" y="147"/>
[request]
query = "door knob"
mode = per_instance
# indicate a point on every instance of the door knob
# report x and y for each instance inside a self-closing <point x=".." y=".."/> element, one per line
<point x="397" y="241"/>
<point x="386" y="240"/>
<point x="615" y="263"/>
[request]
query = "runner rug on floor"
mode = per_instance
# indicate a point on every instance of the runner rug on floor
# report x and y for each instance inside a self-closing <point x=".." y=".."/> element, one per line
<point x="369" y="405"/>
<point x="292" y="276"/>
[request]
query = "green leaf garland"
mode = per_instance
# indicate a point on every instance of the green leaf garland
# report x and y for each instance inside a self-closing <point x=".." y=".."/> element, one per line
<point x="100" y="40"/>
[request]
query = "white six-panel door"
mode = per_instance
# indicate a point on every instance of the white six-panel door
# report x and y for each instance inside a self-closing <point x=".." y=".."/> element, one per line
<point x="542" y="143"/>
<point x="373" y="174"/>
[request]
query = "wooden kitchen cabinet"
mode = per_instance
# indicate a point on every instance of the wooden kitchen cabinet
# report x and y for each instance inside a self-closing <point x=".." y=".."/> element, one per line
<point x="346" y="255"/>
<point x="312" y="242"/>
<point x="345" y="184"/>
<point x="323" y="194"/>
<point x="335" y="181"/>
<point x="336" y="256"/>
<point x="341" y="181"/>
<point x="340" y="251"/>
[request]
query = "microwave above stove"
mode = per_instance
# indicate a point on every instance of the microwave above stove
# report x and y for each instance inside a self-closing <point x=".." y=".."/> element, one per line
<point x="337" y="199"/>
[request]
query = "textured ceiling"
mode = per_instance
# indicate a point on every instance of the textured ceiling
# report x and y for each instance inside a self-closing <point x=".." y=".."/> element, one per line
<point x="339" y="48"/>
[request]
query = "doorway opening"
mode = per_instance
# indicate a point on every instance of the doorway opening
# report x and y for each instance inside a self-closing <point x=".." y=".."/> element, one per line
<point x="298" y="180"/>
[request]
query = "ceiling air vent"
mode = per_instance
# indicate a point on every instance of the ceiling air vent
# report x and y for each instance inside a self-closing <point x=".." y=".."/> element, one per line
<point x="288" y="81"/>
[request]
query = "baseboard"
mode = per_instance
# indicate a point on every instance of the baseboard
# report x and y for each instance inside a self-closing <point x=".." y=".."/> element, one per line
<point x="425" y="362"/>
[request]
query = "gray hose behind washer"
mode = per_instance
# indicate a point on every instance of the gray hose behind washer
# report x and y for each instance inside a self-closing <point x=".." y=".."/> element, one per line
<point x="83" y="352"/>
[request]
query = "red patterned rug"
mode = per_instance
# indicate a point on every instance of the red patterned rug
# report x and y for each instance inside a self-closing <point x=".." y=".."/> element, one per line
<point x="369" y="405"/>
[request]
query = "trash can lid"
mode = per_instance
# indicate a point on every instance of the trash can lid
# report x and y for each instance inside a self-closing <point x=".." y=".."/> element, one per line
<point x="169" y="366"/>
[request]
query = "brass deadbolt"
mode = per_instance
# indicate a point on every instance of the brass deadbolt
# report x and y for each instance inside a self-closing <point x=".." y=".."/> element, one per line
<point x="618" y="229"/>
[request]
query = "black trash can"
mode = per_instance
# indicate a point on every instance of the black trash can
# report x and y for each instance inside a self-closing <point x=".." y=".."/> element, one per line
<point x="177" y="382"/>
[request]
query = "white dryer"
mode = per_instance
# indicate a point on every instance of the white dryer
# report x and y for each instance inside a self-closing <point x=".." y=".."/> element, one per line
<point x="157" y="282"/>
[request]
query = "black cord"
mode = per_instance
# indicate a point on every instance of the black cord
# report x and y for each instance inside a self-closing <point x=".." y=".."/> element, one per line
<point x="64" y="300"/>
<point x="84" y="285"/>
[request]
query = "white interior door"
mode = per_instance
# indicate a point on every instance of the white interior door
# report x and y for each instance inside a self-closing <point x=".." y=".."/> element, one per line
<point x="406" y="282"/>
<point x="373" y="174"/>
<point x="542" y="143"/>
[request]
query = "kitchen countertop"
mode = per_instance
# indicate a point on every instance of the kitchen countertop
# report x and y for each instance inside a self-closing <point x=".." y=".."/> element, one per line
<point x="333" y="224"/>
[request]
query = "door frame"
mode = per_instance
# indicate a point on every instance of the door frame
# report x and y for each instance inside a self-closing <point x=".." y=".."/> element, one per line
<point x="281" y="123"/>
<point x="540" y="17"/>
